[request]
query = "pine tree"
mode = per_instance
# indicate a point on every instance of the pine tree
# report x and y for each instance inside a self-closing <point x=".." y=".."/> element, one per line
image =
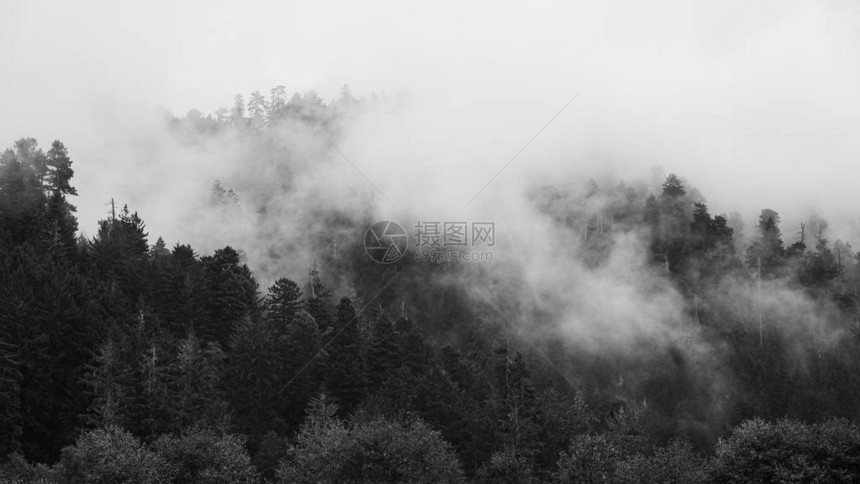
<point x="60" y="172"/>
<point x="195" y="384"/>
<point x="277" y="104"/>
<point x="22" y="194"/>
<point x="109" y="380"/>
<point x="155" y="405"/>
<point x="284" y="301"/>
<point x="514" y="399"/>
<point x="766" y="254"/>
<point x="673" y="225"/>
<point x="820" y="267"/>
<point x="55" y="335"/>
<point x="237" y="114"/>
<point x="344" y="374"/>
<point x="254" y="366"/>
<point x="302" y="372"/>
<point x="10" y="396"/>
<point x="159" y="250"/>
<point x="271" y="373"/>
<point x="384" y="354"/>
<point x="257" y="110"/>
<point x="231" y="294"/>
<point x="119" y="252"/>
<point x="319" y="303"/>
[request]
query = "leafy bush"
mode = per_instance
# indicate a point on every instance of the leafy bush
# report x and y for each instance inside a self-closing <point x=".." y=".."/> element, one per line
<point x="506" y="466"/>
<point x="376" y="450"/>
<point x="589" y="458"/>
<point x="111" y="455"/>
<point x="16" y="469"/>
<point x="673" y="464"/>
<point x="789" y="451"/>
<point x="203" y="456"/>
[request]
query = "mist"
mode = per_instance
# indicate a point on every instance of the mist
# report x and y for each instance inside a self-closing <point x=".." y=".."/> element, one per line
<point x="554" y="121"/>
<point x="755" y="105"/>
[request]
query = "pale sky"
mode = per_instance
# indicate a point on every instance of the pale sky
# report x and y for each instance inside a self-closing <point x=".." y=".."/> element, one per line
<point x="755" y="103"/>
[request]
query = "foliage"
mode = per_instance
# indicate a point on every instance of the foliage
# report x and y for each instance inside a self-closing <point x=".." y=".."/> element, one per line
<point x="179" y="348"/>
<point x="376" y="450"/>
<point x="590" y="458"/>
<point x="15" y="468"/>
<point x="506" y="466"/>
<point x="111" y="455"/>
<point x="789" y="451"/>
<point x="203" y="456"/>
<point x="676" y="463"/>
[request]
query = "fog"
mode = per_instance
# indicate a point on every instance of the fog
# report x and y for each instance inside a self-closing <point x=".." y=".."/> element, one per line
<point x="755" y="105"/>
<point x="475" y="107"/>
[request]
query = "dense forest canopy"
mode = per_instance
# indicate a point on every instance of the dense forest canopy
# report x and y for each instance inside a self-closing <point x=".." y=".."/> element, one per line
<point x="624" y="333"/>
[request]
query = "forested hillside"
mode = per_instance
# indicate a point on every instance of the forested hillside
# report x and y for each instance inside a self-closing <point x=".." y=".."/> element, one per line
<point x="662" y="343"/>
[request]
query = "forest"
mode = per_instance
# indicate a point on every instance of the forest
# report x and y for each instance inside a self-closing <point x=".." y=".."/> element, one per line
<point x="668" y="345"/>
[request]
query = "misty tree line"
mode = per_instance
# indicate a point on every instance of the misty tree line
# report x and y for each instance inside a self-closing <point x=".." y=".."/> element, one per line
<point x="261" y="111"/>
<point x="123" y="360"/>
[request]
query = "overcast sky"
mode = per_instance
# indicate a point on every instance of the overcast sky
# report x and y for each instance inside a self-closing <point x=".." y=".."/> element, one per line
<point x="755" y="103"/>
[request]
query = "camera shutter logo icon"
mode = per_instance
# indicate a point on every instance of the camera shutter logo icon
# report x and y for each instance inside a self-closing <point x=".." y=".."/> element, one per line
<point x="386" y="242"/>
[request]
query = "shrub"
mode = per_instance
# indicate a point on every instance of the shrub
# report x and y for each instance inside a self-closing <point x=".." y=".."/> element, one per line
<point x="203" y="456"/>
<point x="506" y="467"/>
<point x="376" y="450"/>
<point x="589" y="458"/>
<point x="16" y="469"/>
<point x="789" y="451"/>
<point x="111" y="455"/>
<point x="673" y="464"/>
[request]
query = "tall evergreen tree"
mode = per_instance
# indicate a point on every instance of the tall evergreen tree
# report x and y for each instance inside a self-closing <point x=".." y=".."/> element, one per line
<point x="284" y="300"/>
<point x="766" y="254"/>
<point x="195" y="375"/>
<point x="319" y="303"/>
<point x="109" y="380"/>
<point x="231" y="294"/>
<point x="345" y="374"/>
<point x="10" y="396"/>
<point x="60" y="172"/>
<point x="384" y="354"/>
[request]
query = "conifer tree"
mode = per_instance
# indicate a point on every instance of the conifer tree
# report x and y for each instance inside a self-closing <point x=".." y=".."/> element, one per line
<point x="284" y="300"/>
<point x="344" y="374"/>
<point x="109" y="380"/>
